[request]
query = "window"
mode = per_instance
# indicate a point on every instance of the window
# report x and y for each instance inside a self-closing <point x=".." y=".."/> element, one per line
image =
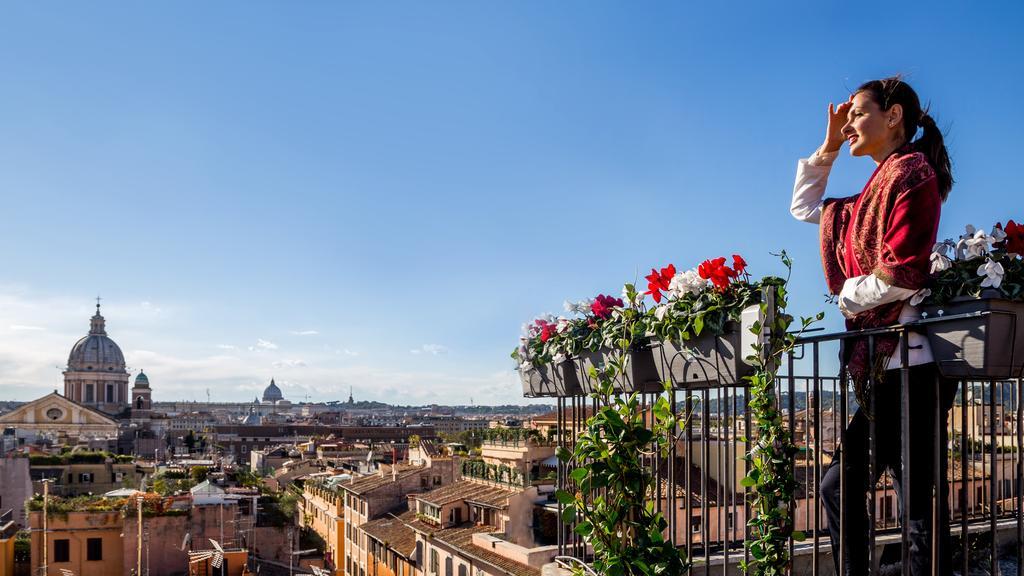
<point x="89" y="393"/>
<point x="434" y="561"/>
<point x="437" y="480"/>
<point x="94" y="549"/>
<point x="62" y="550"/>
<point x="695" y="524"/>
<point x="85" y="478"/>
<point x="110" y="392"/>
<point x="462" y="570"/>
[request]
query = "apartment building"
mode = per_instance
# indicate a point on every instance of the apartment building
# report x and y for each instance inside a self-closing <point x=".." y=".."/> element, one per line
<point x="372" y="497"/>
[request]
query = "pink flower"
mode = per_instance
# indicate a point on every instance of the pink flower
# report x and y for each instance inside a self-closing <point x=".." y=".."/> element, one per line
<point x="603" y="305"/>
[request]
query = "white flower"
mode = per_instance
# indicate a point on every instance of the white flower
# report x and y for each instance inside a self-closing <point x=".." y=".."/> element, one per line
<point x="558" y="358"/>
<point x="919" y="296"/>
<point x="524" y="350"/>
<point x="660" y="311"/>
<point x="977" y="246"/>
<point x="998" y="235"/>
<point x="688" y="282"/>
<point x="939" y="262"/>
<point x="942" y="248"/>
<point x="547" y="317"/>
<point x="529" y="330"/>
<point x="563" y="325"/>
<point x="993" y="273"/>
<point x="961" y="244"/>
<point x="569" y="306"/>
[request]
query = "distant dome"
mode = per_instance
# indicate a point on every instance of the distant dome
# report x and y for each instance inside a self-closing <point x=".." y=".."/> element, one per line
<point x="272" y="393"/>
<point x="96" y="352"/>
<point x="142" y="381"/>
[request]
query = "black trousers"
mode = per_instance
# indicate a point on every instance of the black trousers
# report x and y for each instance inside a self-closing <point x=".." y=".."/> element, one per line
<point x="854" y="447"/>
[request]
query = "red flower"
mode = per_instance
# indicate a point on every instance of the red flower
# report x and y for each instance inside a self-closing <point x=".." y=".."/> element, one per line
<point x="716" y="271"/>
<point x="1014" y="242"/>
<point x="739" y="264"/>
<point x="658" y="281"/>
<point x="546" y="332"/>
<point x="602" y="306"/>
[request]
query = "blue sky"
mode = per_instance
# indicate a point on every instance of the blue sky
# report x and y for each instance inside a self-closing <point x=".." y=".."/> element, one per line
<point x="349" y="194"/>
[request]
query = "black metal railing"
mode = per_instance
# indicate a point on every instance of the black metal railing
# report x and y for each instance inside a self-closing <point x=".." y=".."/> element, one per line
<point x="707" y="508"/>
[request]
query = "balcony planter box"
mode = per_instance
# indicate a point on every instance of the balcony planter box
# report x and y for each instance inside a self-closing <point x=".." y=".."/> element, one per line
<point x="987" y="346"/>
<point x="641" y="375"/>
<point x="550" y="380"/>
<point x="707" y="360"/>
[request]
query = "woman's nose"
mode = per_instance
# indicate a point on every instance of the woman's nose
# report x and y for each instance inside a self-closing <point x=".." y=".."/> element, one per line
<point x="847" y="129"/>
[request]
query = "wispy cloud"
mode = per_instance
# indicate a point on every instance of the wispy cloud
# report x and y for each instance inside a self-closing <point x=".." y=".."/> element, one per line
<point x="432" y="349"/>
<point x="23" y="327"/>
<point x="304" y="332"/>
<point x="262" y="344"/>
<point x="182" y="366"/>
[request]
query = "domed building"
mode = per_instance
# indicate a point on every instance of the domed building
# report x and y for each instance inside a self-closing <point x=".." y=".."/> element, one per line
<point x="272" y="394"/>
<point x="96" y="375"/>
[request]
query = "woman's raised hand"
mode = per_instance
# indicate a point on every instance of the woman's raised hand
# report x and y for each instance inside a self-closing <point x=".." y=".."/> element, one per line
<point x="837" y="117"/>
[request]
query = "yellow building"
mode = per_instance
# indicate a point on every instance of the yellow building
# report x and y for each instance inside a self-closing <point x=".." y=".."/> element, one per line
<point x="55" y="416"/>
<point x="323" y="512"/>
<point x="86" y="542"/>
<point x="7" y="533"/>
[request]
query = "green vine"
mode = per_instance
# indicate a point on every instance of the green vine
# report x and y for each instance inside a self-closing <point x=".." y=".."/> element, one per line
<point x="771" y="475"/>
<point x="611" y="502"/>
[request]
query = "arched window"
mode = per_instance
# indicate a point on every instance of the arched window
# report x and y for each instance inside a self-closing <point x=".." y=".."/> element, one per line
<point x="462" y="570"/>
<point x="448" y="567"/>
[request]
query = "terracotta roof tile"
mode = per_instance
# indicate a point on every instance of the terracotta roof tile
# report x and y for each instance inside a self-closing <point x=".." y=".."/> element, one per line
<point x="394" y="532"/>
<point x="469" y="491"/>
<point x="461" y="538"/>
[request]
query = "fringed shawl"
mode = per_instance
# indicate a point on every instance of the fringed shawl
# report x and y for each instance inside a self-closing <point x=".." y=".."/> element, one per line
<point x="887" y="230"/>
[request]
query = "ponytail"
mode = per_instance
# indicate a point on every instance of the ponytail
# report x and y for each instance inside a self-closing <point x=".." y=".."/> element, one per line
<point x="932" y="146"/>
<point x="890" y="91"/>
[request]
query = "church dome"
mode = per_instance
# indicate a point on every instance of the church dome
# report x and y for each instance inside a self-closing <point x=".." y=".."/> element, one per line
<point x="272" y="393"/>
<point x="142" y="381"/>
<point x="96" y="352"/>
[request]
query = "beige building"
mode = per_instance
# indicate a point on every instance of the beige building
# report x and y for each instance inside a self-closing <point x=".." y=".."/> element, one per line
<point x="58" y="417"/>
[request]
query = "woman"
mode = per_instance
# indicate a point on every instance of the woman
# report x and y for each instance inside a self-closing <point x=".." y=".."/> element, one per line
<point x="875" y="248"/>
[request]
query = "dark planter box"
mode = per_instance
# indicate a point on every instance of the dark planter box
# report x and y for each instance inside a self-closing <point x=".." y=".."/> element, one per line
<point x="641" y="375"/>
<point x="550" y="380"/>
<point x="987" y="346"/>
<point x="707" y="360"/>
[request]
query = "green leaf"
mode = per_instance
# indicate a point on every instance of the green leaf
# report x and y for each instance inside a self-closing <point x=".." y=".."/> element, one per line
<point x="579" y="474"/>
<point x="564" y="497"/>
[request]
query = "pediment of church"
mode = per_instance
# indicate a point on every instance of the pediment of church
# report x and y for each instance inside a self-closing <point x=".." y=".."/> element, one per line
<point x="56" y="410"/>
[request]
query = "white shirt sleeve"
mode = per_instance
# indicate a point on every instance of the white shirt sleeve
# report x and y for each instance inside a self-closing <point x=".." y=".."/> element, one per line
<point x="862" y="293"/>
<point x="809" y="188"/>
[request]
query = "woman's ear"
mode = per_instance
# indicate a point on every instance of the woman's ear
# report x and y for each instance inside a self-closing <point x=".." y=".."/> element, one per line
<point x="895" y="115"/>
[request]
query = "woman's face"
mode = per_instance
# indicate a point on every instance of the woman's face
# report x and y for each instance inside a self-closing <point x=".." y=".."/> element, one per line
<point x="869" y="130"/>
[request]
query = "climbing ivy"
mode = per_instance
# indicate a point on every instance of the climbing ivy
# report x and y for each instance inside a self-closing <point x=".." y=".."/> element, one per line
<point x="771" y="477"/>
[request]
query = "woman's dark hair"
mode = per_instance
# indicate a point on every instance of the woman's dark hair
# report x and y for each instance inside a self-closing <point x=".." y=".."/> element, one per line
<point x="894" y="90"/>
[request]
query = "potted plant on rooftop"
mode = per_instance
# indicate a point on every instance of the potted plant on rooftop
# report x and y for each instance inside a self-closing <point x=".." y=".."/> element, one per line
<point x="545" y="356"/>
<point x="982" y="286"/>
<point x="696" y="328"/>
<point x="620" y="338"/>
